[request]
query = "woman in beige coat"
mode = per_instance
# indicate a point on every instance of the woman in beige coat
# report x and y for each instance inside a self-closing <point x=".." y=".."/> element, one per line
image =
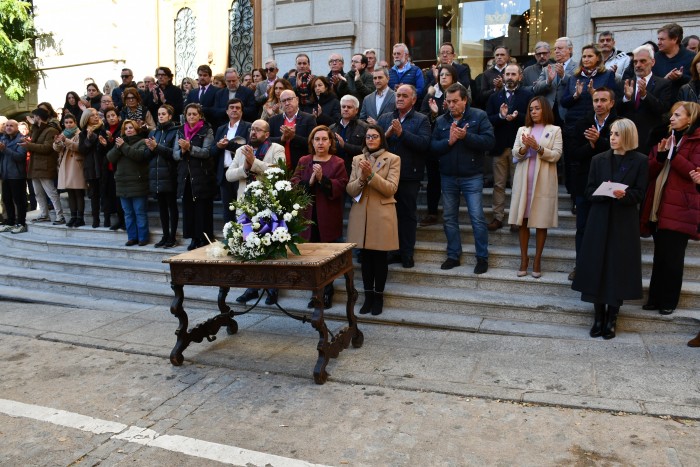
<point x="534" y="199"/>
<point x="70" y="169"/>
<point x="372" y="224"/>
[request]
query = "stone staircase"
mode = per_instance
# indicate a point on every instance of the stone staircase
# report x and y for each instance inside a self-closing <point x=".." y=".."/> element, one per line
<point x="58" y="264"/>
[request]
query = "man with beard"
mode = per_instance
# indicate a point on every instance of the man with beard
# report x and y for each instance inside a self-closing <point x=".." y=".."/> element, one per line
<point x="408" y="136"/>
<point x="250" y="162"/>
<point x="349" y="132"/>
<point x="291" y="128"/>
<point x="506" y="110"/>
<point x="404" y="72"/>
<point x="592" y="136"/>
<point x="225" y="148"/>
<point x="164" y="93"/>
<point x="615" y="60"/>
<point x="447" y="57"/>
<point x="532" y="73"/>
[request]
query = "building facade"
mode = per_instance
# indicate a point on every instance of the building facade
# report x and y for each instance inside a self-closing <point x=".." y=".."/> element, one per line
<point x="99" y="37"/>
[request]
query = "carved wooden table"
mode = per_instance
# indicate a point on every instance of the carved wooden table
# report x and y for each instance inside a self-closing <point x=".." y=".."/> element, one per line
<point x="318" y="265"/>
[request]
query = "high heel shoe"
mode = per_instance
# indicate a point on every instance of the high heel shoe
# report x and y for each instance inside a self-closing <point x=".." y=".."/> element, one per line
<point x="537" y="268"/>
<point x="523" y="267"/>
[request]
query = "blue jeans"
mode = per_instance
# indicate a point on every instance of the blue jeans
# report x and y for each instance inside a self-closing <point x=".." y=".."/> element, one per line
<point x="471" y="188"/>
<point x="136" y="217"/>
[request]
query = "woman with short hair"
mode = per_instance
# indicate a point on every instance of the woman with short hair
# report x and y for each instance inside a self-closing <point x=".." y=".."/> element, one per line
<point x="93" y="157"/>
<point x="609" y="268"/>
<point x="134" y="110"/>
<point x="325" y="104"/>
<point x="70" y="169"/>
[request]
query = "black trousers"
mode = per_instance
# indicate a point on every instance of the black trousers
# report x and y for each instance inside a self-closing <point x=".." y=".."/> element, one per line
<point x="375" y="268"/>
<point x="406" y="206"/>
<point x="14" y="196"/>
<point x="169" y="214"/>
<point x="229" y="192"/>
<point x="432" y="168"/>
<point x="667" y="271"/>
<point x="197" y="215"/>
<point x="76" y="201"/>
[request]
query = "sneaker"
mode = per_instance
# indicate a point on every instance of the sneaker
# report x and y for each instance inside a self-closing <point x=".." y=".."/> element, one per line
<point x="41" y="219"/>
<point x="6" y="228"/>
<point x="19" y="228"/>
<point x="450" y="263"/>
<point x="481" y="267"/>
<point x="60" y="221"/>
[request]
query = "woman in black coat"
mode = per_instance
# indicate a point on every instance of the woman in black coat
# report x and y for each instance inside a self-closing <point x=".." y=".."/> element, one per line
<point x="326" y="107"/>
<point x="162" y="173"/>
<point x="609" y="268"/>
<point x="196" y="176"/>
<point x="92" y="128"/>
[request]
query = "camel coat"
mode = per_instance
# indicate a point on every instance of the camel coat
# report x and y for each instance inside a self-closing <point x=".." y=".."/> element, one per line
<point x="70" y="164"/>
<point x="544" y="204"/>
<point x="372" y="224"/>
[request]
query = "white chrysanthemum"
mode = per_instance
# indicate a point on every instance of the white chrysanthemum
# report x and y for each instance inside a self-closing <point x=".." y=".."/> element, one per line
<point x="216" y="250"/>
<point x="296" y="206"/>
<point x="287" y="216"/>
<point x="274" y="171"/>
<point x="256" y="225"/>
<point x="295" y="213"/>
<point x="274" y="192"/>
<point x="283" y="185"/>
<point x="258" y="192"/>
<point x="231" y="208"/>
<point x="252" y="185"/>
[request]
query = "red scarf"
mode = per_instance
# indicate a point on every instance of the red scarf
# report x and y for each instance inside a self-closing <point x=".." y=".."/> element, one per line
<point x="191" y="131"/>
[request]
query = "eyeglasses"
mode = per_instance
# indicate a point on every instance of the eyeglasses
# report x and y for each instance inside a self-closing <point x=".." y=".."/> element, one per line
<point x="371" y="137"/>
<point x="541" y="53"/>
<point x="335" y="60"/>
<point x="271" y="69"/>
<point x="161" y="74"/>
<point x="288" y="99"/>
<point x="126" y="76"/>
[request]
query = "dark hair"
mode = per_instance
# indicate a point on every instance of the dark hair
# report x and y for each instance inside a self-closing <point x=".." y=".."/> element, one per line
<point x="111" y="108"/>
<point x="674" y="31"/>
<point x="547" y="114"/>
<point x="694" y="76"/>
<point x="49" y="108"/>
<point x="195" y="106"/>
<point x="451" y="70"/>
<point x="205" y="68"/>
<point x="653" y="45"/>
<point x="167" y="72"/>
<point x="324" y="80"/>
<point x="606" y="89"/>
<point x="129" y="91"/>
<point x="75" y="96"/>
<point x="382" y="136"/>
<point x="235" y="100"/>
<point x="168" y="108"/>
<point x="331" y="136"/>
<point x="687" y="39"/>
<point x="94" y="86"/>
<point x="599" y="55"/>
<point x="450" y="44"/>
<point x="363" y="59"/>
<point x="271" y="92"/>
<point x="457" y="87"/>
<point x="501" y="47"/>
<point x="69" y="115"/>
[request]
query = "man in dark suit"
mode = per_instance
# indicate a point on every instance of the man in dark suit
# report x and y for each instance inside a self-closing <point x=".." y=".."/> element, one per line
<point x="381" y="101"/>
<point x="204" y="94"/>
<point x="234" y="90"/>
<point x="447" y="57"/>
<point x="225" y="149"/>
<point x="349" y="131"/>
<point x="506" y="110"/>
<point x="408" y="136"/>
<point x="646" y="99"/>
<point x="292" y="128"/>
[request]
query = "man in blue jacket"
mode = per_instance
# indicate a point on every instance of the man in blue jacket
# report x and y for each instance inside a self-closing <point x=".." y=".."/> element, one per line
<point x="407" y="136"/>
<point x="460" y="139"/>
<point x="13" y="172"/>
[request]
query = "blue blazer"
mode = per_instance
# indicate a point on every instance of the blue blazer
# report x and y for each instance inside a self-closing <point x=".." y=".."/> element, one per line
<point x="505" y="131"/>
<point x="242" y="130"/>
<point x="247" y="97"/>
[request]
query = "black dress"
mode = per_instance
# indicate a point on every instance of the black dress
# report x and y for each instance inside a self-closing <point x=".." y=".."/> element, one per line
<point x="609" y="268"/>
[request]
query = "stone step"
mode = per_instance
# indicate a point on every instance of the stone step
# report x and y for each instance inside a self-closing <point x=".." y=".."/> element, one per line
<point x="436" y="307"/>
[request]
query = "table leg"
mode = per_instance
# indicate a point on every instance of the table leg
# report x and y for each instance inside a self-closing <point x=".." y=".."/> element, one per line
<point x="323" y="347"/>
<point x="356" y="335"/>
<point x="232" y="326"/>
<point x="176" y="309"/>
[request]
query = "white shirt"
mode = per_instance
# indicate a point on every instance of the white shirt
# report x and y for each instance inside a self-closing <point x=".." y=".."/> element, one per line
<point x="647" y="78"/>
<point x="230" y="134"/>
<point x="379" y="100"/>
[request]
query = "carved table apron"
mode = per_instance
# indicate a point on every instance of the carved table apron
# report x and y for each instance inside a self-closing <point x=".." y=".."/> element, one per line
<point x="318" y="265"/>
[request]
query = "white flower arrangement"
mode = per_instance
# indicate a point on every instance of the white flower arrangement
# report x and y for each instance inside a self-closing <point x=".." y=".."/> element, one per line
<point x="269" y="222"/>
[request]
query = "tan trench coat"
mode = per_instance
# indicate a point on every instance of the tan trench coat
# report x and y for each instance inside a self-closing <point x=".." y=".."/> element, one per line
<point x="545" y="194"/>
<point x="70" y="164"/>
<point x="372" y="224"/>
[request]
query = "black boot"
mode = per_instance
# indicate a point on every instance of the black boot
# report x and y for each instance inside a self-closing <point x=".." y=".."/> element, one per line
<point x="369" y="299"/>
<point x="95" y="220"/>
<point x="162" y="241"/>
<point x="108" y="220"/>
<point x="72" y="220"/>
<point x="79" y="220"/>
<point x="599" y="320"/>
<point x="611" y="320"/>
<point x="378" y="303"/>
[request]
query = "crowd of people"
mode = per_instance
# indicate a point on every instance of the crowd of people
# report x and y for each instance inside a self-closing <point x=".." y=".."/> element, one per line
<point x="620" y="129"/>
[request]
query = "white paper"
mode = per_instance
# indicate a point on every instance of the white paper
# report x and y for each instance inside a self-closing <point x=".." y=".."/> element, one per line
<point x="607" y="188"/>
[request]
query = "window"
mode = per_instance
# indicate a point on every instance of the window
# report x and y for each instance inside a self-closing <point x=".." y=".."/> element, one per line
<point x="241" y="36"/>
<point x="185" y="45"/>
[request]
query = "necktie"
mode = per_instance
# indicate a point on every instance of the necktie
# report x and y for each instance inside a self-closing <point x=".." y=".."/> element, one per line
<point x="201" y="91"/>
<point x="638" y="98"/>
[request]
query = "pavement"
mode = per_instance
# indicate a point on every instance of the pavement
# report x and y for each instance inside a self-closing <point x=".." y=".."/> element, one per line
<point x="409" y="396"/>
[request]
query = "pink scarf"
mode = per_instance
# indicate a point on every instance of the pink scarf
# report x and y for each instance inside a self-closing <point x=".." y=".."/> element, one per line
<point x="191" y="131"/>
